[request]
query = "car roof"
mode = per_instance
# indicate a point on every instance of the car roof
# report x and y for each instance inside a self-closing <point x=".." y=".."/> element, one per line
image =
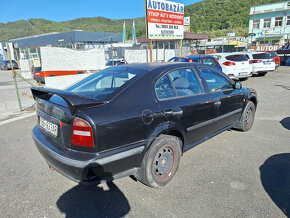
<point x="227" y="53"/>
<point x="158" y="66"/>
<point x="199" y="56"/>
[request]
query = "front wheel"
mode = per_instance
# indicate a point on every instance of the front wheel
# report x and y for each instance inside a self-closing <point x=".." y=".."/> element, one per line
<point x="248" y="117"/>
<point x="161" y="161"/>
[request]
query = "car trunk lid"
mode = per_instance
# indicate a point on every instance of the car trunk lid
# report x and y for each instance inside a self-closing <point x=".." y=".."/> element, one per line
<point x="56" y="110"/>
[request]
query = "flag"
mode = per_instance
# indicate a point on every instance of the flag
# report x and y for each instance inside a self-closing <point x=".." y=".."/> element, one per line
<point x="124" y="32"/>
<point x="134" y="34"/>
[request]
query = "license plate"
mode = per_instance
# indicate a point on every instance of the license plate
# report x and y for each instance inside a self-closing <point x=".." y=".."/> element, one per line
<point x="266" y="62"/>
<point x="48" y="126"/>
<point x="243" y="73"/>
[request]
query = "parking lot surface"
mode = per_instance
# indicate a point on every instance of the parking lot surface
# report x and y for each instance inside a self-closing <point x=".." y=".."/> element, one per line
<point x="8" y="98"/>
<point x="234" y="174"/>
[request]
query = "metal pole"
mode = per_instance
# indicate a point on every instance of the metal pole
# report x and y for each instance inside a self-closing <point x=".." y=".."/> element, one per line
<point x="253" y="22"/>
<point x="180" y="47"/>
<point x="156" y="59"/>
<point x="14" y="77"/>
<point x="150" y="47"/>
<point x="112" y="50"/>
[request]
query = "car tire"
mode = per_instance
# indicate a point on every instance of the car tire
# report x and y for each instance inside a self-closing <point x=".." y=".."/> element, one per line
<point x="248" y="117"/>
<point x="161" y="161"/>
<point x="263" y="73"/>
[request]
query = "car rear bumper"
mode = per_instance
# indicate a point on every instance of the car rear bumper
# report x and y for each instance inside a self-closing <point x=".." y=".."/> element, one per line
<point x="263" y="68"/>
<point x="85" y="167"/>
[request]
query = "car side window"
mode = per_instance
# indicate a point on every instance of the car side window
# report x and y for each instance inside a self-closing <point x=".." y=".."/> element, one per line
<point x="185" y="82"/>
<point x="164" y="88"/>
<point x="215" y="81"/>
<point x="172" y="60"/>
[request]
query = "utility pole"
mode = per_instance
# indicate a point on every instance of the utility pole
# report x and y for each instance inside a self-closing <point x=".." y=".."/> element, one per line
<point x="14" y="77"/>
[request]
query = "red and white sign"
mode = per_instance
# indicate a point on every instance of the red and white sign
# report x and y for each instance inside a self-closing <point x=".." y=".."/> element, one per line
<point x="165" y="19"/>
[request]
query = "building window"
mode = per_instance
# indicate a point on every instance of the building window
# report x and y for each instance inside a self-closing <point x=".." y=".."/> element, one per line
<point x="266" y="42"/>
<point x="278" y="21"/>
<point x="256" y="24"/>
<point x="275" y="42"/>
<point x="267" y="23"/>
<point x="288" y="21"/>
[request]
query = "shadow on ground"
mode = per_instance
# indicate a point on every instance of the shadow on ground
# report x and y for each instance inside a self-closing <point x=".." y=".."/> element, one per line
<point x="104" y="200"/>
<point x="284" y="87"/>
<point x="275" y="178"/>
<point x="286" y="123"/>
<point x="93" y="201"/>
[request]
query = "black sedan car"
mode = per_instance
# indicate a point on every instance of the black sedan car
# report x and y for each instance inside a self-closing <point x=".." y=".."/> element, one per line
<point x="137" y="120"/>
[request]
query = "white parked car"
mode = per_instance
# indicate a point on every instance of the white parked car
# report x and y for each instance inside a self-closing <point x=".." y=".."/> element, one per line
<point x="262" y="62"/>
<point x="236" y="66"/>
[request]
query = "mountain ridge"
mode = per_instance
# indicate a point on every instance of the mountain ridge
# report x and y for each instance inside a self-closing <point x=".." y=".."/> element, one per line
<point x="214" y="17"/>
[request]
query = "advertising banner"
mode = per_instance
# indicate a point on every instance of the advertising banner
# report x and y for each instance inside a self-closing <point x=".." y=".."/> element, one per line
<point x="165" y="19"/>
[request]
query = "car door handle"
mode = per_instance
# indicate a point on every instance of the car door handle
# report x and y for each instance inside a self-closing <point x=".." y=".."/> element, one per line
<point x="217" y="103"/>
<point x="178" y="112"/>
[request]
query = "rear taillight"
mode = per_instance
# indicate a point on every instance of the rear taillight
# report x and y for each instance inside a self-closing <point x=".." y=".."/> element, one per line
<point x="229" y="63"/>
<point x="250" y="62"/>
<point x="190" y="60"/>
<point x="256" y="61"/>
<point x="82" y="133"/>
<point x="230" y="74"/>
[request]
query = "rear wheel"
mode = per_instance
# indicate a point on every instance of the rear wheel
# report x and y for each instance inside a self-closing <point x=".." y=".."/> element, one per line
<point x="161" y="161"/>
<point x="248" y="117"/>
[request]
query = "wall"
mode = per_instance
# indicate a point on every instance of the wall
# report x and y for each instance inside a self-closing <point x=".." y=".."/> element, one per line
<point x="143" y="56"/>
<point x="53" y="58"/>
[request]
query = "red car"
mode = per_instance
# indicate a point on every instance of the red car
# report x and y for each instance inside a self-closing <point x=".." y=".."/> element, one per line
<point x="275" y="57"/>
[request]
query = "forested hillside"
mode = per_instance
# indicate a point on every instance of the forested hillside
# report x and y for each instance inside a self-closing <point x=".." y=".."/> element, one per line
<point x="215" y="17"/>
<point x="218" y="17"/>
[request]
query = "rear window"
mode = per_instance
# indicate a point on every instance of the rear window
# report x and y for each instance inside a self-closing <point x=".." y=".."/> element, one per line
<point x="100" y="85"/>
<point x="237" y="58"/>
<point x="209" y="61"/>
<point x="273" y="54"/>
<point x="262" y="56"/>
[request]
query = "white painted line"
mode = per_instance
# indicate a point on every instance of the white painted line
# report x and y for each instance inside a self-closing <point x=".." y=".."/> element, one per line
<point x="17" y="118"/>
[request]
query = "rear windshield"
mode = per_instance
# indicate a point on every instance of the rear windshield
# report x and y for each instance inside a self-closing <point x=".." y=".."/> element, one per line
<point x="209" y="61"/>
<point x="100" y="85"/>
<point x="262" y="56"/>
<point x="273" y="54"/>
<point x="237" y="58"/>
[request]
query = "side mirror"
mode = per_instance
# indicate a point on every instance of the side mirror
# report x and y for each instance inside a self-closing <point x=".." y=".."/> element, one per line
<point x="238" y="85"/>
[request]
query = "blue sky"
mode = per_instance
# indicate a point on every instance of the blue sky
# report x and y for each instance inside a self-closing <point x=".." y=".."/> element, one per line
<point x="61" y="10"/>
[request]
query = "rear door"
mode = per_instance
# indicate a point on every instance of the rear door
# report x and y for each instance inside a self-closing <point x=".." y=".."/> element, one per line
<point x="227" y="101"/>
<point x="185" y="103"/>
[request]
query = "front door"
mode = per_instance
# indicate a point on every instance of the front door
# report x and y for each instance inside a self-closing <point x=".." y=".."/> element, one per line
<point x="227" y="100"/>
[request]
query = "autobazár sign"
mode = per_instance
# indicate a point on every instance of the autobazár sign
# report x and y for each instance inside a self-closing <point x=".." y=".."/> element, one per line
<point x="165" y="19"/>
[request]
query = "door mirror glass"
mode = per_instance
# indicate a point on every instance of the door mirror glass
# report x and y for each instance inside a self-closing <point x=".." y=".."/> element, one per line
<point x="238" y="85"/>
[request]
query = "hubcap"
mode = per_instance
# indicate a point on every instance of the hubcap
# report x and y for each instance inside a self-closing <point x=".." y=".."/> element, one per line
<point x="249" y="115"/>
<point x="163" y="162"/>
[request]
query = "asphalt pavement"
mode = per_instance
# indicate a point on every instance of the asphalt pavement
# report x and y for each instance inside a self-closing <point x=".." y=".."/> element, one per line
<point x="234" y="174"/>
